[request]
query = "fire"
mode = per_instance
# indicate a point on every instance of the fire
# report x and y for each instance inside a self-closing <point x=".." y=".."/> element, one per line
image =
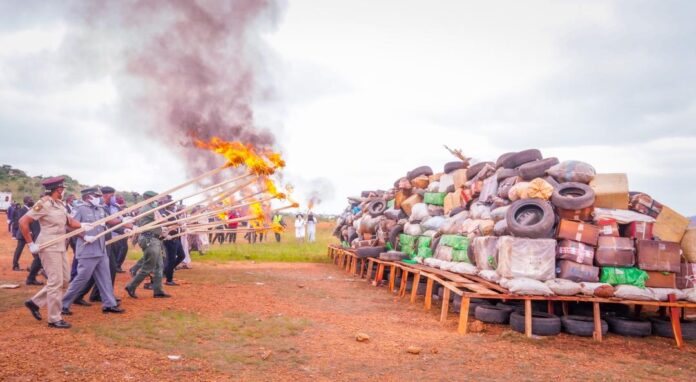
<point x="258" y="161"/>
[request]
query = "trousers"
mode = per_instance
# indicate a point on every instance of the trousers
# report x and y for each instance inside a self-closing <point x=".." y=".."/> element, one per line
<point x="88" y="269"/>
<point x="55" y="263"/>
<point x="18" y="251"/>
<point x="151" y="263"/>
<point x="175" y="255"/>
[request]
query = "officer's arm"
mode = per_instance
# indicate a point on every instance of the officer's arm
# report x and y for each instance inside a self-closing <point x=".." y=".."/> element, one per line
<point x="24" y="222"/>
<point x="72" y="223"/>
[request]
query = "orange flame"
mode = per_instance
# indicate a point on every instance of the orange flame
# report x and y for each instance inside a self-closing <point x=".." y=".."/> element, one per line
<point x="237" y="154"/>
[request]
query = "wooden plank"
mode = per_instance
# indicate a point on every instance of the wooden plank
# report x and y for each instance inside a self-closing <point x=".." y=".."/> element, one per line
<point x="428" y="293"/>
<point x="414" y="287"/>
<point x="676" y="323"/>
<point x="597" y="318"/>
<point x="404" y="279"/>
<point x="528" y="318"/>
<point x="679" y="304"/>
<point x="464" y="316"/>
<point x="392" y="277"/>
<point x="487" y="284"/>
<point x="445" y="305"/>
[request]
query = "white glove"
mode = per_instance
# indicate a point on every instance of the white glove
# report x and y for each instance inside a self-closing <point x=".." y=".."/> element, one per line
<point x="127" y="231"/>
<point x="87" y="226"/>
<point x="90" y="239"/>
<point x="34" y="248"/>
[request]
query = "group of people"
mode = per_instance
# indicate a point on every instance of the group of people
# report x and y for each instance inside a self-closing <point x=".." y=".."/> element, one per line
<point x="99" y="249"/>
<point x="255" y="234"/>
<point x="306" y="228"/>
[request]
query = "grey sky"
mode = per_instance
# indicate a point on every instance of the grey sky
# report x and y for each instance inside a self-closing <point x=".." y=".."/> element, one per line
<point x="368" y="90"/>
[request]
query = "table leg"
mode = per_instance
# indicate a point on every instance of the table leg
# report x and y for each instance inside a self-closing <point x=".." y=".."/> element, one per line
<point x="445" y="305"/>
<point x="414" y="287"/>
<point x="674" y="315"/>
<point x="464" y="316"/>
<point x="597" y="316"/>
<point x="428" y="294"/>
<point x="528" y="318"/>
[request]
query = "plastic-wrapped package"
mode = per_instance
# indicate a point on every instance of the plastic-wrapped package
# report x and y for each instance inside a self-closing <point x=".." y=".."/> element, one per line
<point x="504" y="282"/>
<point x="434" y="198"/>
<point x="486" y="252"/>
<point x="432" y="262"/>
<point x="528" y="287"/>
<point x="453" y="225"/>
<point x="501" y="228"/>
<point x="480" y="211"/>
<point x="419" y="212"/>
<point x="630" y="292"/>
<point x="690" y="294"/>
<point x="445" y="182"/>
<point x="486" y="227"/>
<point x="489" y="275"/>
<point x="430" y="233"/>
<point x="500" y="202"/>
<point x="434" y="210"/>
<point x="505" y="186"/>
<point x="464" y="269"/>
<point x="433" y="187"/>
<point x="621" y="216"/>
<point x="443" y="252"/>
<point x="518" y="191"/>
<point x="423" y="247"/>
<point x="489" y="189"/>
<point x="573" y="271"/>
<point x="433" y="223"/>
<point x="531" y="258"/>
<point x="413" y="229"/>
<point x="572" y="171"/>
<point x="563" y="287"/>
<point x="498" y="214"/>
<point x="459" y="245"/>
<point x="597" y="289"/>
<point x="539" y="189"/>
<point x="407" y="244"/>
<point x="447" y="265"/>
<point x="392" y="214"/>
<point x="627" y="276"/>
<point x="661" y="294"/>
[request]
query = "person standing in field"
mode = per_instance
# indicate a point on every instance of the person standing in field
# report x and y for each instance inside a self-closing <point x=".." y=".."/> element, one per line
<point x="280" y="224"/>
<point x="299" y="227"/>
<point x="312" y="227"/>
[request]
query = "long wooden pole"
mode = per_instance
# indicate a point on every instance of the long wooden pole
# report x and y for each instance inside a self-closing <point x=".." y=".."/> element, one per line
<point x="135" y="206"/>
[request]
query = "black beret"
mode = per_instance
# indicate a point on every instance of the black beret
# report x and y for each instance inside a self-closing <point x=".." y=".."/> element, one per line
<point x="90" y="190"/>
<point x="107" y="190"/>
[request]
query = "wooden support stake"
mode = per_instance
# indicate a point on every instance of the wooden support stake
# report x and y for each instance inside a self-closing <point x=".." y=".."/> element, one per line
<point x="674" y="316"/>
<point x="428" y="293"/>
<point x="464" y="316"/>
<point x="528" y="318"/>
<point x="392" y="277"/>
<point x="404" y="279"/>
<point x="414" y="287"/>
<point x="549" y="306"/>
<point x="597" y="334"/>
<point x="380" y="274"/>
<point x="445" y="305"/>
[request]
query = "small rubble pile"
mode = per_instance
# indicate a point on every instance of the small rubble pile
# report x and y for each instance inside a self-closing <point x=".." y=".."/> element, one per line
<point x="534" y="225"/>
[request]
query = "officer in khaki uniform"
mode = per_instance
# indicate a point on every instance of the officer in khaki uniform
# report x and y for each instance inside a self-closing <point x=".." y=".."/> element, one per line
<point x="51" y="214"/>
<point x="151" y="243"/>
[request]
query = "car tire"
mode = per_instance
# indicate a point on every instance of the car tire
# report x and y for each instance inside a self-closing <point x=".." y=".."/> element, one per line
<point x="454" y="166"/>
<point x="493" y="314"/>
<point x="629" y="327"/>
<point x="543" y="324"/>
<point x="393" y="236"/>
<point x="472" y="171"/>
<point x="573" y="196"/>
<point x="518" y="159"/>
<point x="418" y="171"/>
<point x="531" y="218"/>
<point x="581" y="325"/>
<point x="537" y="169"/>
<point x="370" y="252"/>
<point x="501" y="159"/>
<point x="505" y="173"/>
<point x="377" y="207"/>
<point x="662" y="326"/>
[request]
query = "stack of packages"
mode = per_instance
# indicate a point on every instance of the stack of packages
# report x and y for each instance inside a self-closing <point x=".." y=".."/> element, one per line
<point x="532" y="224"/>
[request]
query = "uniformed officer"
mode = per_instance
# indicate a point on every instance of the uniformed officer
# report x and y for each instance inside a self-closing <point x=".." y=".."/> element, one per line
<point x="53" y="218"/>
<point x="93" y="261"/>
<point x="151" y="243"/>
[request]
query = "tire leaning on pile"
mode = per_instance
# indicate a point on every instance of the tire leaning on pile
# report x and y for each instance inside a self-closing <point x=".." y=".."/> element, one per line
<point x="540" y="229"/>
<point x="573" y="196"/>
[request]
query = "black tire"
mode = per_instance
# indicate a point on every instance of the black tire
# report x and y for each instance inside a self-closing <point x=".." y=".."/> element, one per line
<point x="434" y="243"/>
<point x="418" y="171"/>
<point x="370" y="252"/>
<point x="377" y="207"/>
<point x="473" y="303"/>
<point x="543" y="324"/>
<point x="573" y="196"/>
<point x="473" y="170"/>
<point x="520" y="158"/>
<point x="392" y="214"/>
<point x="581" y="325"/>
<point x="493" y="314"/>
<point x="553" y="182"/>
<point x="532" y="218"/>
<point x="393" y="236"/>
<point x="352" y="236"/>
<point x="503" y="158"/>
<point x="537" y="169"/>
<point x="505" y="173"/>
<point x="450" y="189"/>
<point x="629" y="327"/>
<point x="662" y="326"/>
<point x="454" y="166"/>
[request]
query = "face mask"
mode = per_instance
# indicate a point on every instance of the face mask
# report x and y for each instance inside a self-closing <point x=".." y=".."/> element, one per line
<point x="95" y="201"/>
<point x="155" y="204"/>
<point x="112" y="202"/>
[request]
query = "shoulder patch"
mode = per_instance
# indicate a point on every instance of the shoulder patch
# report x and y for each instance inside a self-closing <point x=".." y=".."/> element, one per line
<point x="37" y="207"/>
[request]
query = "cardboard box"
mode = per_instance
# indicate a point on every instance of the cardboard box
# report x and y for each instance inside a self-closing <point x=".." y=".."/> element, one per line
<point x="686" y="278"/>
<point x="688" y="245"/>
<point x="662" y="256"/>
<point x="452" y="200"/>
<point x="407" y="205"/>
<point x="661" y="280"/>
<point x="399" y="198"/>
<point x="640" y="231"/>
<point x="575" y="251"/>
<point x="578" y="231"/>
<point x="459" y="177"/>
<point x="421" y="182"/>
<point x="573" y="271"/>
<point x="584" y="214"/>
<point x="615" y="252"/>
<point x="645" y="204"/>
<point x="670" y="225"/>
<point x="608" y="227"/>
<point x="611" y="191"/>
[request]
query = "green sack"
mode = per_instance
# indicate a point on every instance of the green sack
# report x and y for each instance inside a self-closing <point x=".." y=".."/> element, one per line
<point x="624" y="276"/>
<point x="407" y="244"/>
<point x="435" y="198"/>
<point x="460" y="255"/>
<point x="424" y="250"/>
<point x="390" y="203"/>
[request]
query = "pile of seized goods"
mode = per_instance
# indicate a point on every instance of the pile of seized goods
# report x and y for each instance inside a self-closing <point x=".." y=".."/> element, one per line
<point x="534" y="225"/>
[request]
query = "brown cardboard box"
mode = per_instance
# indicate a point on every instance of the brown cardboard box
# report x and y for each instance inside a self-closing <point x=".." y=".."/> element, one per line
<point x="662" y="256"/>
<point x="661" y="280"/>
<point x="584" y="214"/>
<point x="407" y="205"/>
<point x="670" y="225"/>
<point x="459" y="177"/>
<point x="452" y="200"/>
<point x="435" y="177"/>
<point x="640" y="231"/>
<point x="578" y="231"/>
<point x="615" y="252"/>
<point x="608" y="227"/>
<point x="611" y="191"/>
<point x="575" y="251"/>
<point x="688" y="244"/>
<point x="399" y="198"/>
<point x="573" y="271"/>
<point x="421" y="182"/>
<point x="686" y="278"/>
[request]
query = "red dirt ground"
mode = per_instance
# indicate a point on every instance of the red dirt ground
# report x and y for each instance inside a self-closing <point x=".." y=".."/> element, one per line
<point x="296" y="322"/>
